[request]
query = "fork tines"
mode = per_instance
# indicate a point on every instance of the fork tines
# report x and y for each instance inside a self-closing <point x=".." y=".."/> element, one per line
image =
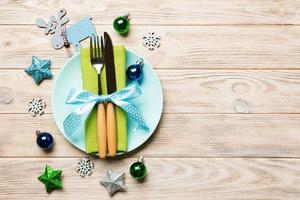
<point x="95" y="51"/>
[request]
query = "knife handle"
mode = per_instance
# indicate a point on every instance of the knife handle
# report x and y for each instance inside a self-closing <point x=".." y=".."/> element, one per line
<point x="101" y="131"/>
<point x="111" y="129"/>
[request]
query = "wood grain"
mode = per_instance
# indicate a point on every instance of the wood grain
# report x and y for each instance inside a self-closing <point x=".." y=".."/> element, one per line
<point x="197" y="47"/>
<point x="187" y="91"/>
<point x="220" y="179"/>
<point x="157" y="12"/>
<point x="197" y="135"/>
<point x="217" y="58"/>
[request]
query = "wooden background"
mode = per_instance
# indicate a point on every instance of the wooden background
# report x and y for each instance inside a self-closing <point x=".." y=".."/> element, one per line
<point x="217" y="58"/>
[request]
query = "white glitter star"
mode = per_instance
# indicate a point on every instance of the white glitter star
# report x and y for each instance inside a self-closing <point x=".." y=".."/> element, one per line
<point x="113" y="181"/>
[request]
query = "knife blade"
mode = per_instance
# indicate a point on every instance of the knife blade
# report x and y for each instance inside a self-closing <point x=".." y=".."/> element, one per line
<point x="110" y="64"/>
<point x="111" y="87"/>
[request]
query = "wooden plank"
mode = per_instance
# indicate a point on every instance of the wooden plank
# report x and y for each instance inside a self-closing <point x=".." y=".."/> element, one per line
<point x="214" y="179"/>
<point x="187" y="91"/>
<point x="217" y="91"/>
<point x="154" y="12"/>
<point x="179" y="135"/>
<point x="192" y="47"/>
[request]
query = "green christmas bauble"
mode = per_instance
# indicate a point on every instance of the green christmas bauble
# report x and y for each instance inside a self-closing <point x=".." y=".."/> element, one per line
<point x="121" y="24"/>
<point x="138" y="170"/>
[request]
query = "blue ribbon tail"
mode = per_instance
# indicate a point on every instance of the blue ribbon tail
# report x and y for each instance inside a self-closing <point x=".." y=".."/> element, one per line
<point x="133" y="112"/>
<point x="72" y="123"/>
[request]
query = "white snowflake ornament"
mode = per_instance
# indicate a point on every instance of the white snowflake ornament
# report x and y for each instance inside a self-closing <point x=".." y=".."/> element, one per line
<point x="85" y="167"/>
<point x="151" y="41"/>
<point x="36" y="107"/>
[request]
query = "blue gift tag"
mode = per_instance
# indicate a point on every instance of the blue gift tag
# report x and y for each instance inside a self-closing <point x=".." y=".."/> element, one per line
<point x="80" y="31"/>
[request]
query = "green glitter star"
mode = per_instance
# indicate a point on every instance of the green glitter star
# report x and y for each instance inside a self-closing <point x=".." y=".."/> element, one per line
<point x="51" y="178"/>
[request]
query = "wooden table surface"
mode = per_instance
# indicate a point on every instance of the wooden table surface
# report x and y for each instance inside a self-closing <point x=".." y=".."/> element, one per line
<point x="217" y="58"/>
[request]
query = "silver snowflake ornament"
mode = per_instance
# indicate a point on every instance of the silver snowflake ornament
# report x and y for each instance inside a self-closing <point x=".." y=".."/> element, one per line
<point x="113" y="181"/>
<point x="36" y="107"/>
<point x="85" y="167"/>
<point x="151" y="41"/>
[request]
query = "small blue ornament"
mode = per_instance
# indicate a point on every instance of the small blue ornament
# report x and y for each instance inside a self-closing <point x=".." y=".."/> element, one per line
<point x="39" y="69"/>
<point x="44" y="140"/>
<point x="134" y="72"/>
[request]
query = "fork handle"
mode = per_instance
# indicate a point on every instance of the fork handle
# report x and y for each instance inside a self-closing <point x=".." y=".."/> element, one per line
<point x="101" y="131"/>
<point x="111" y="129"/>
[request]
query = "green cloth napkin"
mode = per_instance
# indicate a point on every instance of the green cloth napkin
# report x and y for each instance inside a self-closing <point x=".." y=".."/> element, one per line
<point x="89" y="77"/>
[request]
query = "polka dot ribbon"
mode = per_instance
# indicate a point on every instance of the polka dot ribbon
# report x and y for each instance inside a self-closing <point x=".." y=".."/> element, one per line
<point x="85" y="101"/>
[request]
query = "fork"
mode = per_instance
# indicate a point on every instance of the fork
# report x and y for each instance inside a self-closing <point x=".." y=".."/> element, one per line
<point x="97" y="61"/>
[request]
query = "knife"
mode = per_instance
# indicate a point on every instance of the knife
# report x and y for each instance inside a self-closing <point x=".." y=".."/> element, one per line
<point x="111" y="87"/>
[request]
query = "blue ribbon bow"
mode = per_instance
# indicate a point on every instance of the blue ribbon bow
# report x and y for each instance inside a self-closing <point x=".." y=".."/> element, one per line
<point x="85" y="101"/>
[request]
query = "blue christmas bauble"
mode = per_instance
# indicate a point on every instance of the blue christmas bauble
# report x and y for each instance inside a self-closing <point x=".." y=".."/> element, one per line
<point x="134" y="72"/>
<point x="45" y="140"/>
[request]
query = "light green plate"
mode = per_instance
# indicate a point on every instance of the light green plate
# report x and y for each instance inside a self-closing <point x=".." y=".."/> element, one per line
<point x="150" y="102"/>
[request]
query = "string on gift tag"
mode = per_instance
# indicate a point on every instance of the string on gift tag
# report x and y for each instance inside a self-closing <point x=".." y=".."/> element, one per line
<point x="66" y="42"/>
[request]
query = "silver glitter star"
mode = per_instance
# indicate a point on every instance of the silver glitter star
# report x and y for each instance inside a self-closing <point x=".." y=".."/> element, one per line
<point x="113" y="181"/>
